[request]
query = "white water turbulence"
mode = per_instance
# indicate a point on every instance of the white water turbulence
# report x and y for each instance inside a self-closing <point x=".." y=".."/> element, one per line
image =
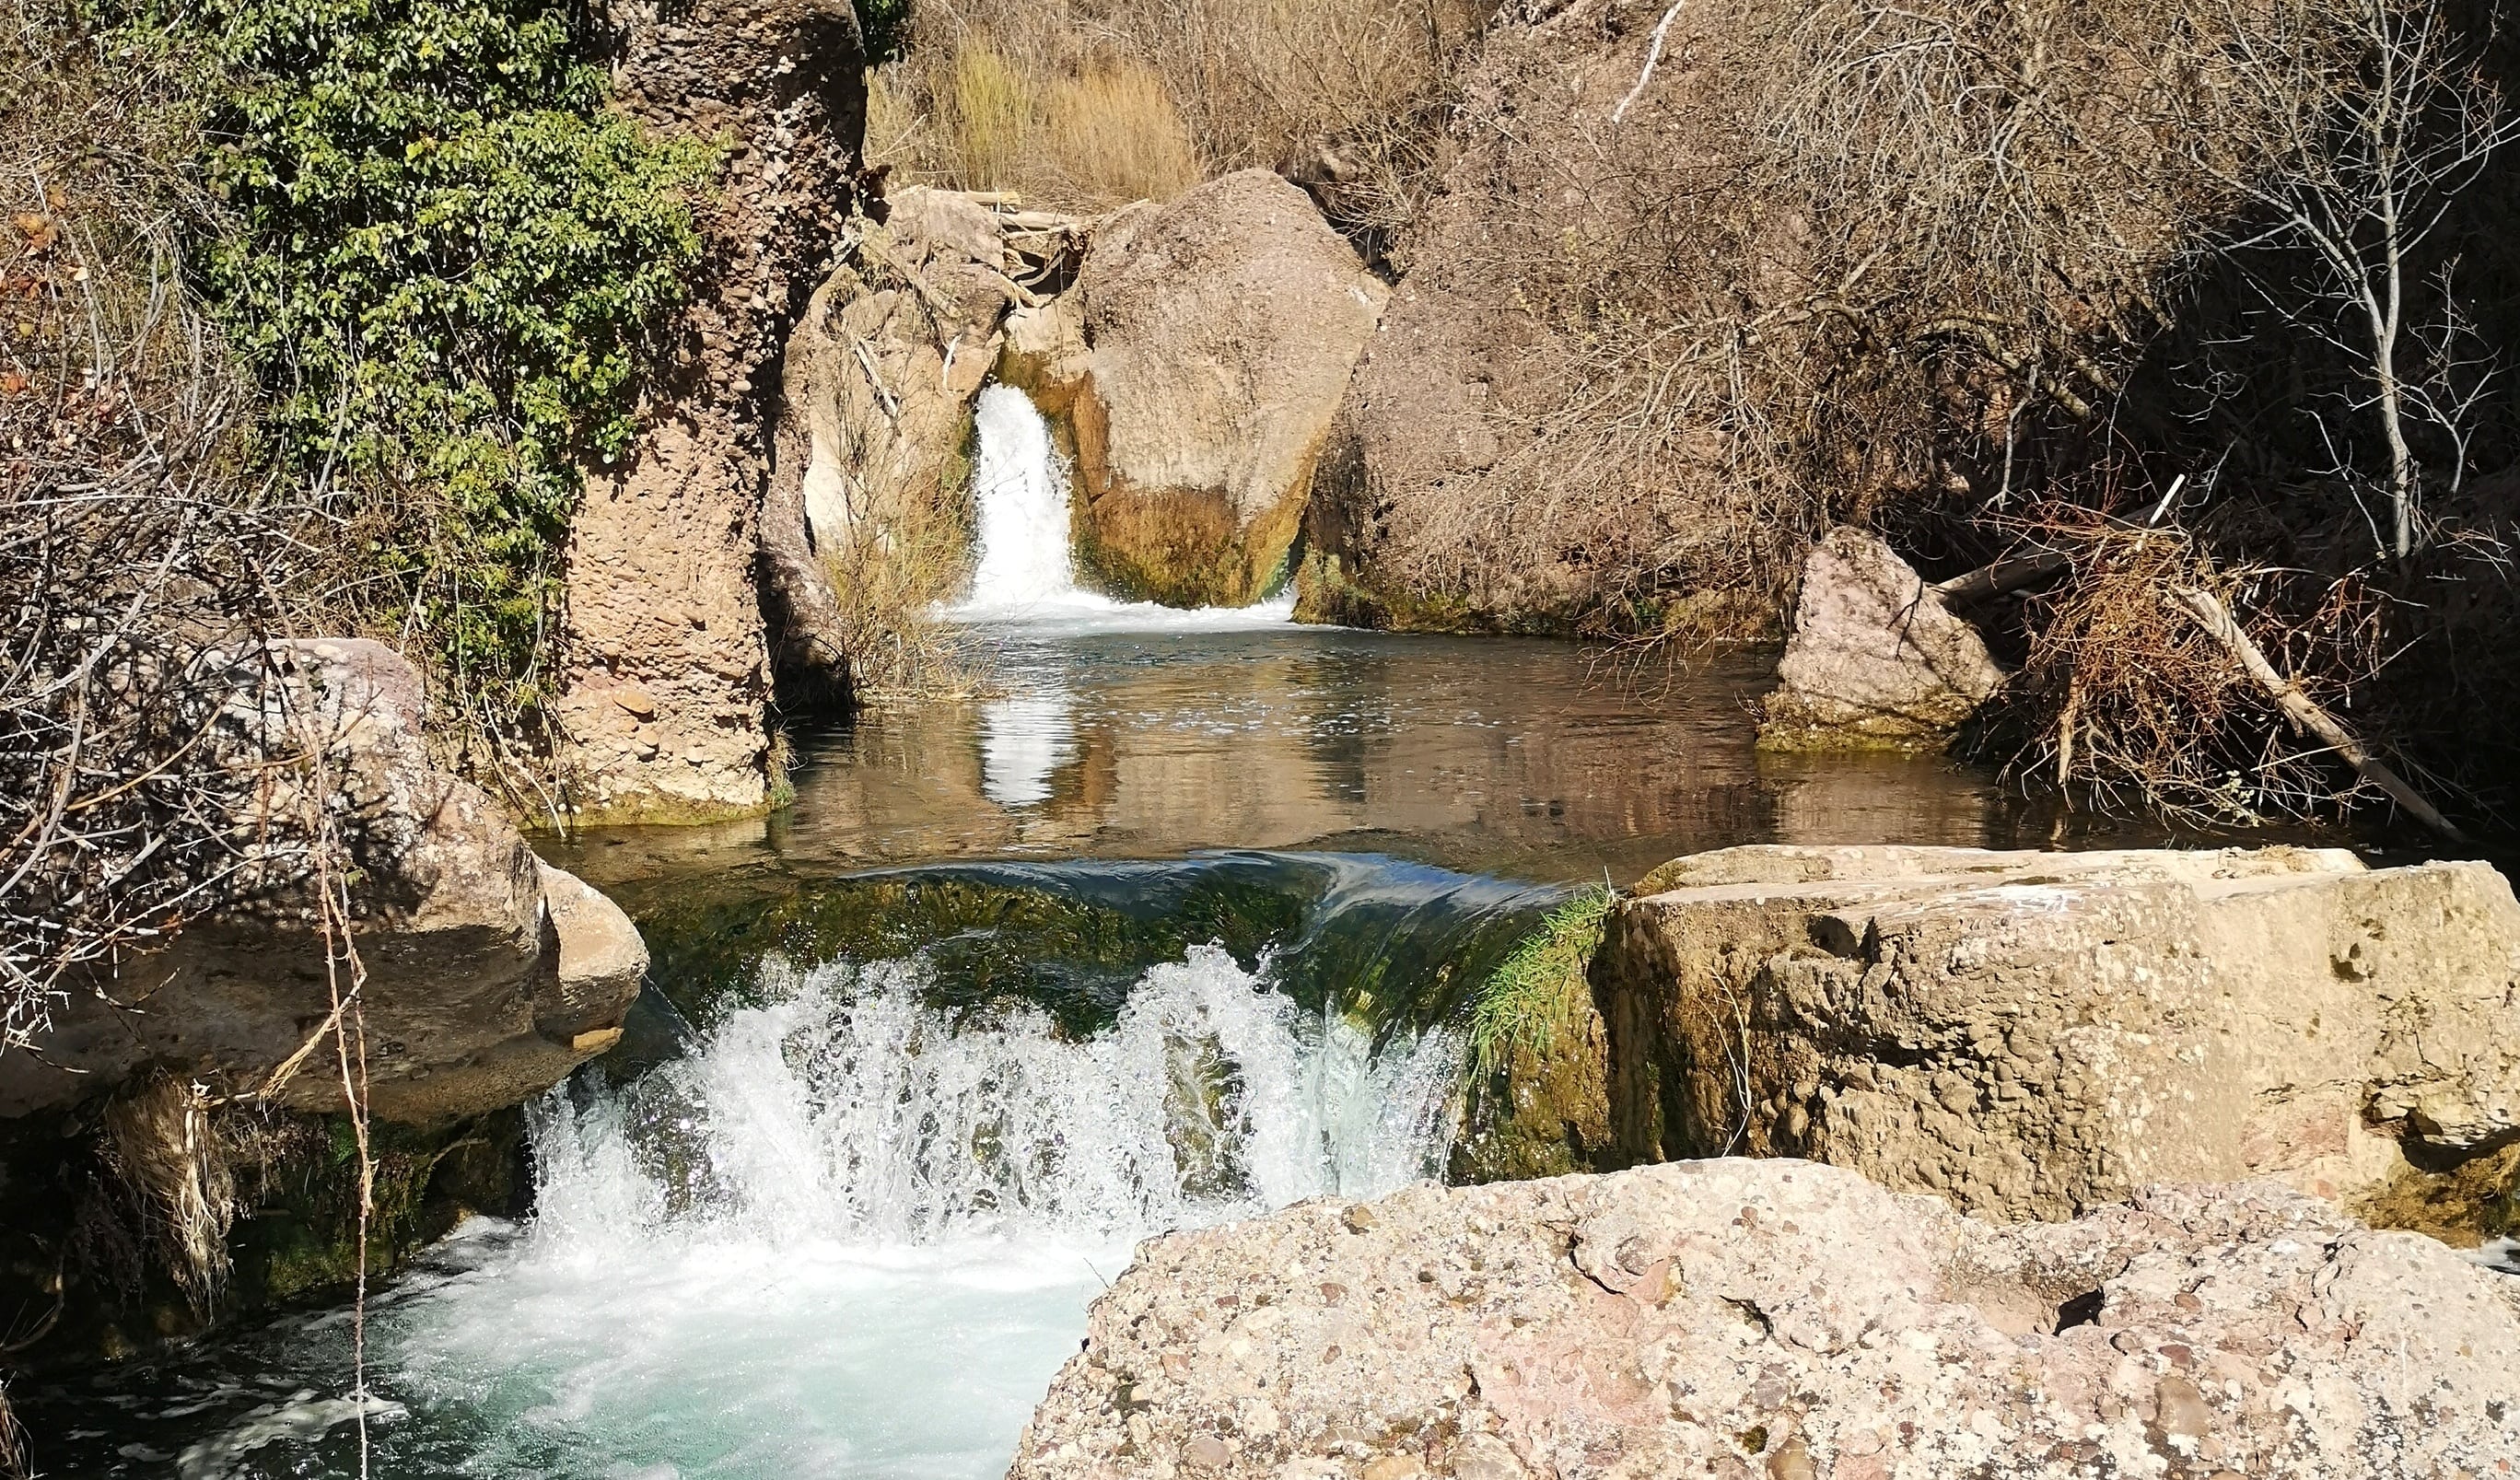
<point x="851" y="1234"/>
<point x="1026" y="571"/>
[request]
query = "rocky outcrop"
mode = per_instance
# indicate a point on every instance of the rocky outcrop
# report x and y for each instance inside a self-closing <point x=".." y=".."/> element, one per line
<point x="663" y="702"/>
<point x="488" y="975"/>
<point x="1791" y="1321"/>
<point x="1872" y="661"/>
<point x="2033" y="1035"/>
<point x="1220" y="331"/>
<point x="869" y="508"/>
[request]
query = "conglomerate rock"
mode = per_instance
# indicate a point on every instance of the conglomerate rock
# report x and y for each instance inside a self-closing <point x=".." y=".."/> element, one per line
<point x="666" y="677"/>
<point x="1790" y="1321"/>
<point x="2034" y="1033"/>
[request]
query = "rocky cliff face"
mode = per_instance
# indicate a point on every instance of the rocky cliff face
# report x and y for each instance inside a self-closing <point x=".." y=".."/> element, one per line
<point x="2032" y="1035"/>
<point x="668" y="664"/>
<point x="1792" y="1321"/>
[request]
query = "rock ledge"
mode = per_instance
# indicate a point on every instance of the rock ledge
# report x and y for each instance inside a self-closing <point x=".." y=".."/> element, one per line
<point x="1793" y="1322"/>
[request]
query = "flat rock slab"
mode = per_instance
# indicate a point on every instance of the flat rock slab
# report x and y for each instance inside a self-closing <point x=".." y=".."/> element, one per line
<point x="2033" y="1034"/>
<point x="1791" y="1321"/>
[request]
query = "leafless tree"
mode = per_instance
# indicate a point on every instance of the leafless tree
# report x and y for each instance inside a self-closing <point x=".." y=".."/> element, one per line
<point x="2363" y="121"/>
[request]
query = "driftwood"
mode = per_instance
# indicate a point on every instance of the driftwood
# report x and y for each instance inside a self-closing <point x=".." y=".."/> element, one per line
<point x="2010" y="573"/>
<point x="2302" y="711"/>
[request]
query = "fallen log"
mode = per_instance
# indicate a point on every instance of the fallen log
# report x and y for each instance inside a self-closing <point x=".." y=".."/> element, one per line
<point x="2304" y="713"/>
<point x="2011" y="573"/>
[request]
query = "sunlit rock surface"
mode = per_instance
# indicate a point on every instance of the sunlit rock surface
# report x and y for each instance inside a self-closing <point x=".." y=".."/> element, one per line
<point x="1787" y="1321"/>
<point x="2034" y="1033"/>
<point x="1872" y="660"/>
<point x="1222" y="329"/>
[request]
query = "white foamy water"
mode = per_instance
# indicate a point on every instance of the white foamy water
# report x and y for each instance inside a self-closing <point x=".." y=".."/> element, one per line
<point x="849" y="1235"/>
<point x="1026" y="571"/>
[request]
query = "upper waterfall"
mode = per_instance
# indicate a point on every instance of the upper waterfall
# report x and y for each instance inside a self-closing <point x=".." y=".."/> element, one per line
<point x="1026" y="567"/>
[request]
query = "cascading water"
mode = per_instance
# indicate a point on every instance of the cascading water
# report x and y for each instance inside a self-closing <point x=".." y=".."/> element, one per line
<point x="851" y="1232"/>
<point x="850" y="1108"/>
<point x="1026" y="571"/>
<point x="1019" y="492"/>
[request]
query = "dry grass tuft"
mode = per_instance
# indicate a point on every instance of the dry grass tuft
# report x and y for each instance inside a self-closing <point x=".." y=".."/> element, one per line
<point x="1115" y="137"/>
<point x="161" y="1143"/>
<point x="1088" y="104"/>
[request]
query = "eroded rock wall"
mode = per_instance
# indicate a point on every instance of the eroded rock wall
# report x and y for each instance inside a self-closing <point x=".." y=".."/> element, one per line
<point x="2032" y="1035"/>
<point x="1787" y="1321"/>
<point x="663" y="699"/>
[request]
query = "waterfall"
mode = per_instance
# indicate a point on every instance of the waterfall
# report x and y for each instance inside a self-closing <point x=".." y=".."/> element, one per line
<point x="850" y="1107"/>
<point x="1019" y="489"/>
<point x="1026" y="571"/>
<point x="853" y="1231"/>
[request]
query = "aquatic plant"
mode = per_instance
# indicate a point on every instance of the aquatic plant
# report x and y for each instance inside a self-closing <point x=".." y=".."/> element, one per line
<point x="1539" y="989"/>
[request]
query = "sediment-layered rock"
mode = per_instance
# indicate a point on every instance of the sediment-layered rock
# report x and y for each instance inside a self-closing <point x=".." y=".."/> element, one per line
<point x="487" y="976"/>
<point x="1872" y="661"/>
<point x="1220" y="328"/>
<point x="2033" y="1035"/>
<point x="1792" y="1321"/>
<point x="666" y="679"/>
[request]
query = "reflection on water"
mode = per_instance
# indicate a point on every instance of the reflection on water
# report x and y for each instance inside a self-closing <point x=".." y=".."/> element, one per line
<point x="1025" y="738"/>
<point x="1488" y="754"/>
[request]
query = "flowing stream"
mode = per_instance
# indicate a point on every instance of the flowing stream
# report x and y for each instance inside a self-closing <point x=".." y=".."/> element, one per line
<point x="1174" y="927"/>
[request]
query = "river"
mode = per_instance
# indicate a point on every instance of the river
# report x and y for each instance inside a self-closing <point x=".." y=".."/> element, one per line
<point x="1170" y="923"/>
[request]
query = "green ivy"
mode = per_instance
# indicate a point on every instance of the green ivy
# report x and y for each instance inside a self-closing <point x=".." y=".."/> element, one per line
<point x="885" y="27"/>
<point x="447" y="263"/>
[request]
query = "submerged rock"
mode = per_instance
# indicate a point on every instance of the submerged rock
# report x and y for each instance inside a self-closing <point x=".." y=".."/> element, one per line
<point x="1872" y="660"/>
<point x="1784" y="1319"/>
<point x="1222" y="330"/>
<point x="2034" y="1034"/>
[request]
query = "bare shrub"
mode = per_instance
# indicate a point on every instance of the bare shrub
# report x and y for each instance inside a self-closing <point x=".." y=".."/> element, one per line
<point x="140" y="567"/>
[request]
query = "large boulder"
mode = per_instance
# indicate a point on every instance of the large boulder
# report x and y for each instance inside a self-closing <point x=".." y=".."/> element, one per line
<point x="1872" y="661"/>
<point x="665" y="684"/>
<point x="1222" y="327"/>
<point x="488" y="975"/>
<point x="1791" y="1321"/>
<point x="2032" y="1035"/>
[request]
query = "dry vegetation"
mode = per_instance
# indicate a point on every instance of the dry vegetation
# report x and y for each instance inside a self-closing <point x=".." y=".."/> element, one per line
<point x="1094" y="103"/>
<point x="1933" y="268"/>
<point x="141" y="564"/>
